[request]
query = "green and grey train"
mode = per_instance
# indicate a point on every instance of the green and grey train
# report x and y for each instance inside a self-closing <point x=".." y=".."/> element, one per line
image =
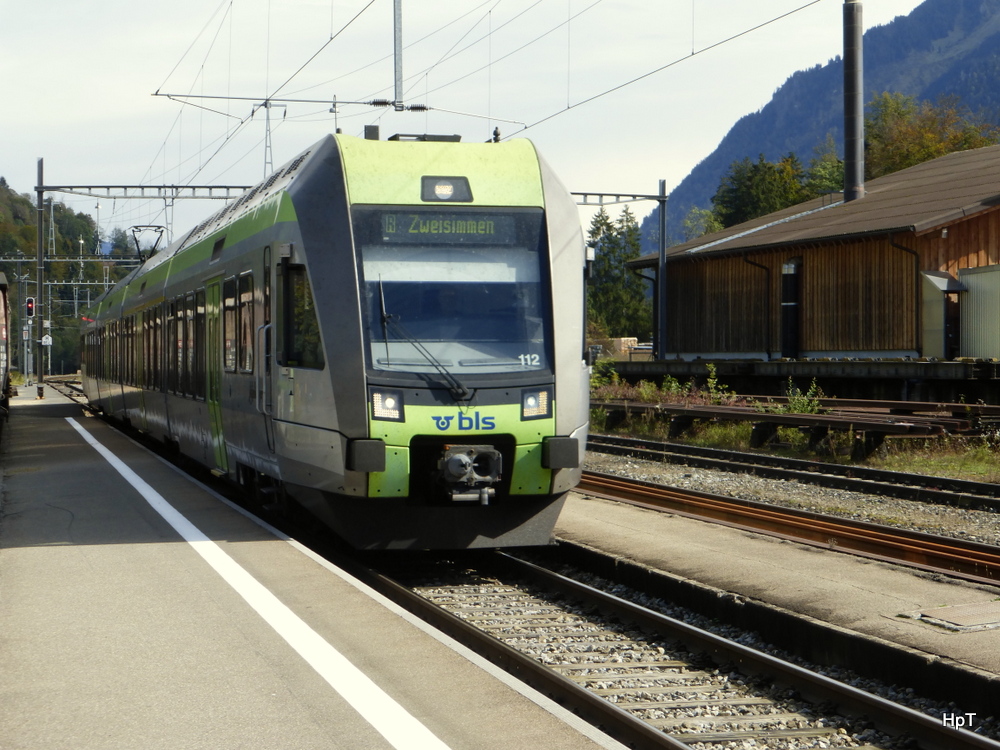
<point x="387" y="333"/>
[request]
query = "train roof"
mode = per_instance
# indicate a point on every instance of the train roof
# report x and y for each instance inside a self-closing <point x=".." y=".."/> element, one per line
<point x="376" y="172"/>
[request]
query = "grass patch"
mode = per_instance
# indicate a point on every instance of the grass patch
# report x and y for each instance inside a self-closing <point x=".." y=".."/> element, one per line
<point x="974" y="457"/>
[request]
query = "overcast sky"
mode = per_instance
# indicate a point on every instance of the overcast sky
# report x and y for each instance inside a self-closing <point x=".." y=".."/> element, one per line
<point x="79" y="80"/>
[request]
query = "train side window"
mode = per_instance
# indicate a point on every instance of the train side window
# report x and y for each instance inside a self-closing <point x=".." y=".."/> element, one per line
<point x="246" y="323"/>
<point x="148" y="363"/>
<point x="303" y="346"/>
<point x="229" y="324"/>
<point x="133" y="349"/>
<point x="199" y="344"/>
<point x="126" y="335"/>
<point x="180" y="349"/>
<point x="117" y="359"/>
<point x="143" y="327"/>
<point x="170" y="350"/>
<point x="130" y="353"/>
<point x="158" y="348"/>
<point x="189" y="346"/>
<point x="122" y="337"/>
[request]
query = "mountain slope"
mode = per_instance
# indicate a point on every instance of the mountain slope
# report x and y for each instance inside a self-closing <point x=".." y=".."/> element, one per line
<point x="943" y="48"/>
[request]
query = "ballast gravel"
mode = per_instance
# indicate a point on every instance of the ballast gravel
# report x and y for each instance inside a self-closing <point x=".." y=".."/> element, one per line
<point x="962" y="523"/>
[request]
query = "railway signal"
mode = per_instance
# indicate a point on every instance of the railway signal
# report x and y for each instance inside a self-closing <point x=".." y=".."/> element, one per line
<point x="29" y="307"/>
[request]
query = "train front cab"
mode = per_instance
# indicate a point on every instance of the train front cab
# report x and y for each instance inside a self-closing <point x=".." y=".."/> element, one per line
<point x="476" y="385"/>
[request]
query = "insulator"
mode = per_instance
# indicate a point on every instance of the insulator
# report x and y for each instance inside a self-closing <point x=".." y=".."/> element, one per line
<point x="379" y="103"/>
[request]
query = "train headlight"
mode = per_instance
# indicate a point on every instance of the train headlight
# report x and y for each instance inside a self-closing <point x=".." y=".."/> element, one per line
<point x="387" y="405"/>
<point x="536" y="403"/>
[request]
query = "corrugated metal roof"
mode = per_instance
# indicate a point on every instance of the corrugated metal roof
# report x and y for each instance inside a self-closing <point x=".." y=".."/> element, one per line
<point x="930" y="195"/>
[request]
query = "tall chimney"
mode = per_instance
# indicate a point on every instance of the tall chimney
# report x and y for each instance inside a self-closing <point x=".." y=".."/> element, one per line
<point x="854" y="105"/>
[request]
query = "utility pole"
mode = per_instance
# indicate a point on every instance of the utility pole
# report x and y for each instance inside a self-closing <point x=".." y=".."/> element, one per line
<point x="52" y="228"/>
<point x="268" y="157"/>
<point x="661" y="278"/>
<point x="39" y="285"/>
<point x="397" y="29"/>
<point x="660" y="289"/>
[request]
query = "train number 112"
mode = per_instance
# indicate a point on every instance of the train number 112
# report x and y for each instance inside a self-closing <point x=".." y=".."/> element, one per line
<point x="529" y="360"/>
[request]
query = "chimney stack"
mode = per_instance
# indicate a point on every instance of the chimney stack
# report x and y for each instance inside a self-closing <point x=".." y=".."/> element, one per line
<point x="854" y="105"/>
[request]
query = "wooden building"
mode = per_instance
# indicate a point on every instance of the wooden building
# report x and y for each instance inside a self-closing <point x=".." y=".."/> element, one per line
<point x="911" y="270"/>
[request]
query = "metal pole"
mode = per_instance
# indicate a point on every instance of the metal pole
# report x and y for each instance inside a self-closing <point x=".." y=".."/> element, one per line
<point x="397" y="26"/>
<point x="39" y="287"/>
<point x="661" y="278"/>
<point x="48" y="332"/>
<point x="21" y="361"/>
<point x="854" y="105"/>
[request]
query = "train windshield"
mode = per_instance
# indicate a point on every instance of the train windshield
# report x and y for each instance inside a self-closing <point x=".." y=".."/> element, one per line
<point x="461" y="291"/>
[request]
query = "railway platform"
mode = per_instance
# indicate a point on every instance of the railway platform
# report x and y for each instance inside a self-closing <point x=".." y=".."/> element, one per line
<point x="139" y="609"/>
<point x="941" y="634"/>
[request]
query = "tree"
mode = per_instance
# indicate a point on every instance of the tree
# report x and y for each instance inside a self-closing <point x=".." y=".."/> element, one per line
<point x="826" y="170"/>
<point x="901" y="132"/>
<point x="699" y="222"/>
<point x="121" y="242"/>
<point x="616" y="297"/>
<point x="63" y="299"/>
<point x="751" y="189"/>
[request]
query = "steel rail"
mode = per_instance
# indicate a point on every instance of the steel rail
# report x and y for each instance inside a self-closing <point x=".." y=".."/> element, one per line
<point x="920" y="487"/>
<point x="610" y="718"/>
<point x="967" y="560"/>
<point x="929" y="732"/>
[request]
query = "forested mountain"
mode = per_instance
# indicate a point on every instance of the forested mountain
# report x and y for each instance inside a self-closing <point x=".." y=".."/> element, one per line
<point x="943" y="48"/>
<point x="64" y="297"/>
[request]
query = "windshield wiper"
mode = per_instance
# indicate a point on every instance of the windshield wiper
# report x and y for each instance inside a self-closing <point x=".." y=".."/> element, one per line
<point x="458" y="391"/>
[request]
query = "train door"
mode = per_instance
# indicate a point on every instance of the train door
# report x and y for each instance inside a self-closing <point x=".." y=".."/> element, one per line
<point x="213" y="370"/>
<point x="263" y="387"/>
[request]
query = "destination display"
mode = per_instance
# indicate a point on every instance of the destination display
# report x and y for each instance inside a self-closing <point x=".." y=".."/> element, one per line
<point x="435" y="227"/>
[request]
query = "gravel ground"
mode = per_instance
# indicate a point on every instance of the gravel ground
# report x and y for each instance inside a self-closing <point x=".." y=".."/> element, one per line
<point x="981" y="526"/>
<point x="962" y="523"/>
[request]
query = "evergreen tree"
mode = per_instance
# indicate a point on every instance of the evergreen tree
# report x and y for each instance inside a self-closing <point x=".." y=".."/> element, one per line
<point x="751" y="189"/>
<point x="616" y="297"/>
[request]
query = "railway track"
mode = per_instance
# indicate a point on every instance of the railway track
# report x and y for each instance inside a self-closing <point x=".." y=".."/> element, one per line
<point x="649" y="680"/>
<point x="967" y="560"/>
<point x="921" y="487"/>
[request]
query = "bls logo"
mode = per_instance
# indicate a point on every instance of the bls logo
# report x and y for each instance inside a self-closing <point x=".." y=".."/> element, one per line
<point x="466" y="422"/>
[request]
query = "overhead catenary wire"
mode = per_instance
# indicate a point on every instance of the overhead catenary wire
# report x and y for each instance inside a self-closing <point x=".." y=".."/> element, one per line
<point x="323" y="47"/>
<point x="452" y="53"/>
<point x="493" y="31"/>
<point x="488" y="16"/>
<point x="328" y="81"/>
<point x="195" y="40"/>
<point x="672" y="64"/>
<point x="247" y="119"/>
